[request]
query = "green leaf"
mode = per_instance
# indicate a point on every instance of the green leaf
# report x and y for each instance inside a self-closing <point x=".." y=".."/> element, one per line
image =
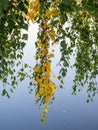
<point x="63" y="18"/>
<point x="25" y="26"/>
<point x="87" y="101"/>
<point x="23" y="44"/>
<point x="59" y="77"/>
<point x="25" y="36"/>
<point x="11" y="72"/>
<point x="3" y="4"/>
<point x="25" y="65"/>
<point x="11" y="90"/>
<point x="63" y="44"/>
<point x="65" y="63"/>
<point x="66" y="2"/>
<point x="5" y="80"/>
<point x="74" y="88"/>
<point x="4" y="92"/>
<point x="30" y="83"/>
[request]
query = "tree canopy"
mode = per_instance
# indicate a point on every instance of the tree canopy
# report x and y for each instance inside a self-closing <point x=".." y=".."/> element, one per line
<point x="58" y="20"/>
<point x="12" y="41"/>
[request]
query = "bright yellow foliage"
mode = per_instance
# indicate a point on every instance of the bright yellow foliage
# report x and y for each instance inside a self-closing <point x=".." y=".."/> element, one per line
<point x="45" y="88"/>
<point x="34" y="10"/>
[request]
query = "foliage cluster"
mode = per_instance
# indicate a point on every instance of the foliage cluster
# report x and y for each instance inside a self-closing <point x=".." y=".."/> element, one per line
<point x="58" y="20"/>
<point x="12" y="41"/>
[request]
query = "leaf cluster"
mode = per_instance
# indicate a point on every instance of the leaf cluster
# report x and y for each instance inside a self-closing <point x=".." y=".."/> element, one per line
<point x="12" y="41"/>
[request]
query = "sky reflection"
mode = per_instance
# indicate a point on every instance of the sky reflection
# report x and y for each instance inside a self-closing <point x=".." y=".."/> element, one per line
<point x="68" y="112"/>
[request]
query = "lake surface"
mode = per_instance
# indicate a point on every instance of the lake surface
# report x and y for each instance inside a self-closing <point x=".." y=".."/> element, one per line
<point x="68" y="112"/>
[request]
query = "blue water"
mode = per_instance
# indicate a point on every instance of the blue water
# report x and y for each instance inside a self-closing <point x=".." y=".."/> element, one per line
<point x="68" y="112"/>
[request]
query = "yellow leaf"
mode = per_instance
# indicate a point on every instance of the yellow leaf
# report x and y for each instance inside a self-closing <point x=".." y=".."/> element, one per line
<point x="51" y="55"/>
<point x="47" y="99"/>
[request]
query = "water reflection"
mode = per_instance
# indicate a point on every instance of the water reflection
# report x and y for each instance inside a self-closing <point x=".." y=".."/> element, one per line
<point x="67" y="111"/>
<point x="83" y="39"/>
<point x="45" y="87"/>
<point x="86" y="67"/>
